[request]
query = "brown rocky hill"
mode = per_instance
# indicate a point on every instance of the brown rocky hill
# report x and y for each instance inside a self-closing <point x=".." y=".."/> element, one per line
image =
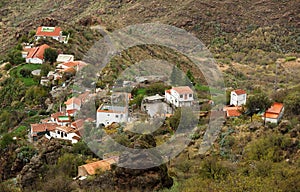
<point x="205" y="18"/>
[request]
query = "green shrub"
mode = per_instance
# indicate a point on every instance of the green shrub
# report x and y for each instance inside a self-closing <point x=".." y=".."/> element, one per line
<point x="290" y="58"/>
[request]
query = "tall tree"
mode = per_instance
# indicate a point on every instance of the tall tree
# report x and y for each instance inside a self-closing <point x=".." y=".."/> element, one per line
<point x="256" y="103"/>
<point x="50" y="55"/>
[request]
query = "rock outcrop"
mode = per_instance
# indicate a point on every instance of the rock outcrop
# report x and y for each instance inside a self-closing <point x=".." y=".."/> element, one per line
<point x="33" y="170"/>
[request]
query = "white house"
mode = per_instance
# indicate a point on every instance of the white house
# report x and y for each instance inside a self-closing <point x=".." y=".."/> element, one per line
<point x="238" y="97"/>
<point x="52" y="32"/>
<point x="77" y="65"/>
<point x="65" y="133"/>
<point x="274" y="113"/>
<point x="65" y="58"/>
<point x="180" y="96"/>
<point x="106" y="115"/>
<point x="73" y="103"/>
<point x="37" y="130"/>
<point x="36" y="54"/>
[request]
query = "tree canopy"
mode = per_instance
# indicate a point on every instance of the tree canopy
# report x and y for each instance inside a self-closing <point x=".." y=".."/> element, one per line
<point x="258" y="102"/>
<point x="50" y="55"/>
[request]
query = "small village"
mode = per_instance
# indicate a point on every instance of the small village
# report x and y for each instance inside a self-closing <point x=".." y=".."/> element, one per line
<point x="64" y="125"/>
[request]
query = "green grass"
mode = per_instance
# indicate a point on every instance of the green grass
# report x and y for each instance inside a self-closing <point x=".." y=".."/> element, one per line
<point x="141" y="91"/>
<point x="27" y="81"/>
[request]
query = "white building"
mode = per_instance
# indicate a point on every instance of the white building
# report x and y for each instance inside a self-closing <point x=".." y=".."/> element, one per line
<point x="274" y="113"/>
<point x="52" y="32"/>
<point x="106" y="115"/>
<point x="73" y="104"/>
<point x="36" y="54"/>
<point x="238" y="97"/>
<point x="65" y="133"/>
<point x="180" y="96"/>
<point x="65" y="58"/>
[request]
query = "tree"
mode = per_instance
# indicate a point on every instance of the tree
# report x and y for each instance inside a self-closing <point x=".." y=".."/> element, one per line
<point x="190" y="76"/>
<point x="25" y="72"/>
<point x="45" y="69"/>
<point x="15" y="57"/>
<point x="256" y="103"/>
<point x="50" y="55"/>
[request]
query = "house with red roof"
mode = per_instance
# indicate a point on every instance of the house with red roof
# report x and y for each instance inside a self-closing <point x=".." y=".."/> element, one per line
<point x="91" y="168"/>
<point x="52" y="32"/>
<point x="64" y="133"/>
<point x="37" y="130"/>
<point x="232" y="112"/>
<point x="73" y="104"/>
<point x="274" y="113"/>
<point x="238" y="97"/>
<point x="180" y="96"/>
<point x="77" y="65"/>
<point x="36" y="54"/>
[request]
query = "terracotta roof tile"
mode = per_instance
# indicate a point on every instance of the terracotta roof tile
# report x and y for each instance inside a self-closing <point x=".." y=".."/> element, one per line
<point x="74" y="100"/>
<point x="233" y="113"/>
<point x="103" y="164"/>
<point x="41" y="31"/>
<point x="275" y="108"/>
<point x="183" y="90"/>
<point x="240" y="91"/>
<point x="38" y="52"/>
<point x="37" y="128"/>
<point x="78" y="123"/>
<point x="65" y="129"/>
<point x="274" y="111"/>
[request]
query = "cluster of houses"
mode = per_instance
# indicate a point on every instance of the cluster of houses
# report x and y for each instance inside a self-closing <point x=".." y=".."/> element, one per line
<point x="61" y="125"/>
<point x="238" y="98"/>
<point x="35" y="55"/>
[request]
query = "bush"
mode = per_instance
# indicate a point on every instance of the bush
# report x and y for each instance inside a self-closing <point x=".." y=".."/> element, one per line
<point x="50" y="55"/>
<point x="8" y="66"/>
<point x="6" y="140"/>
<point x="25" y="72"/>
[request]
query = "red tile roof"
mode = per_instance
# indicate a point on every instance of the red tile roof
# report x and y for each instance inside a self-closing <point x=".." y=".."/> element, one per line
<point x="41" y="32"/>
<point x="274" y="111"/>
<point x="275" y="108"/>
<point x="73" y="64"/>
<point x="233" y="113"/>
<point x="183" y="90"/>
<point x="71" y="111"/>
<point x="103" y="165"/>
<point x="37" y="128"/>
<point x="38" y="52"/>
<point x="65" y="129"/>
<point x="73" y="100"/>
<point x="240" y="91"/>
<point x="78" y="123"/>
<point x="76" y="138"/>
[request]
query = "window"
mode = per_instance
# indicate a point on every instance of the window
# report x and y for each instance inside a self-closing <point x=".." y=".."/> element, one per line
<point x="117" y="116"/>
<point x="121" y="115"/>
<point x="108" y="115"/>
<point x="65" y="134"/>
<point x="181" y="96"/>
<point x="190" y="95"/>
